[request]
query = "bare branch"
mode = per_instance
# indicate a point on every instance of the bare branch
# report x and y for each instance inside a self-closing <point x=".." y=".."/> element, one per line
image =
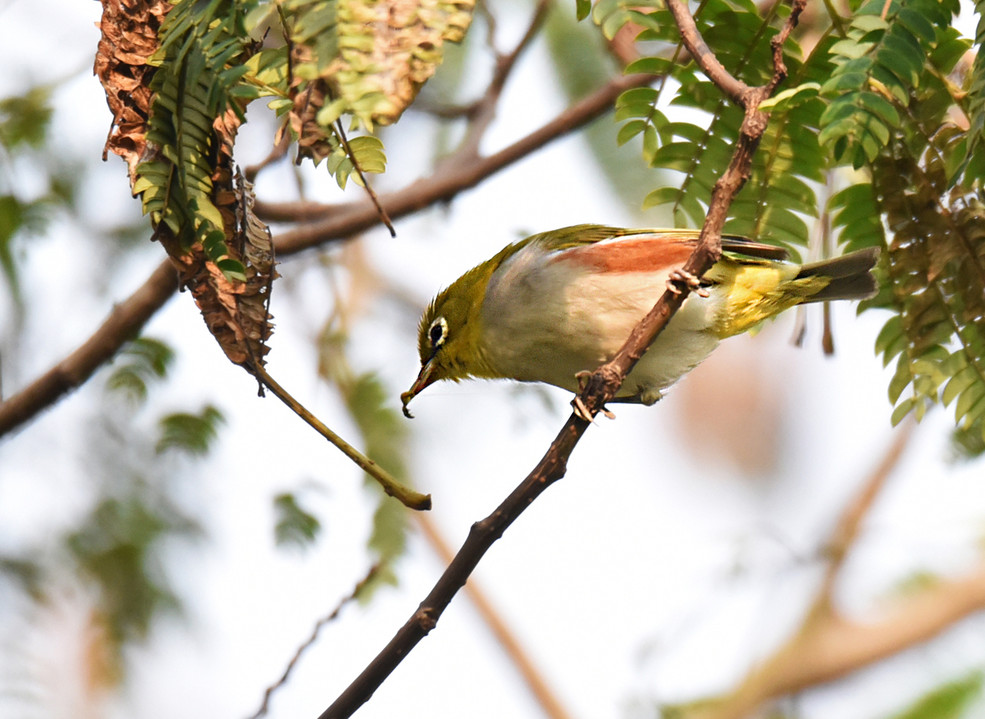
<point x="481" y="114"/>
<point x="481" y="537"/>
<point x="128" y="317"/>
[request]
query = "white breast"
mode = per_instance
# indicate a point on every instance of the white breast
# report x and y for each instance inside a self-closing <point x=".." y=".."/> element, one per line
<point x="546" y="320"/>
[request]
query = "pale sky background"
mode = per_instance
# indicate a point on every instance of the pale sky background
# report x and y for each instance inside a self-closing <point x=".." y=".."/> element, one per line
<point x="654" y="571"/>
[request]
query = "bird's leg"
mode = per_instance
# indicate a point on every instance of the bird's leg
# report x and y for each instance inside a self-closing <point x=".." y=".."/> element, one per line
<point x="680" y="275"/>
<point x="579" y="407"/>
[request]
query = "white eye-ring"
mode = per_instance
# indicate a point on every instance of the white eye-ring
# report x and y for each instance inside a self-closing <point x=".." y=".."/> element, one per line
<point x="438" y="332"/>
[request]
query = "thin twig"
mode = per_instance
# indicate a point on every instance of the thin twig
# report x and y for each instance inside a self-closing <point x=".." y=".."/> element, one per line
<point x="482" y="113"/>
<point x="408" y="497"/>
<point x="384" y="217"/>
<point x="330" y="617"/>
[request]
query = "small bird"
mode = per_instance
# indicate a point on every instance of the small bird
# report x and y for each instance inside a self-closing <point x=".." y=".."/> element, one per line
<point x="556" y="305"/>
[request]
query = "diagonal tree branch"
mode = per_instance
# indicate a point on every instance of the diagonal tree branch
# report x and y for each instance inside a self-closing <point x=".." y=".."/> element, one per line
<point x="601" y="387"/>
<point x="334" y="223"/>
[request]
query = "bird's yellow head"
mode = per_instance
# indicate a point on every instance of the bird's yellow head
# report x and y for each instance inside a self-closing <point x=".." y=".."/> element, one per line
<point x="448" y="338"/>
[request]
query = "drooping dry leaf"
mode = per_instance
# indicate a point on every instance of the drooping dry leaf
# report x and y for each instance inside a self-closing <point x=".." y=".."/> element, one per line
<point x="128" y="39"/>
<point x="235" y="311"/>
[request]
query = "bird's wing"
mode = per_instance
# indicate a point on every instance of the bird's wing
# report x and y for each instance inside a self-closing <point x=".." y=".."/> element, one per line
<point x="614" y="249"/>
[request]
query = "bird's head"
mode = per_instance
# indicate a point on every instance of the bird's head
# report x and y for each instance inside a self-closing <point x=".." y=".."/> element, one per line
<point x="448" y="338"/>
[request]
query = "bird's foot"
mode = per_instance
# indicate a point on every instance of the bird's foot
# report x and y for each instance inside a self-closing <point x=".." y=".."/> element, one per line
<point x="580" y="409"/>
<point x="684" y="277"/>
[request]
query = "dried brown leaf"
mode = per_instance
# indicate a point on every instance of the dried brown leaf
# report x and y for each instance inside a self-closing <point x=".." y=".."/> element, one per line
<point x="128" y="39"/>
<point x="234" y="311"/>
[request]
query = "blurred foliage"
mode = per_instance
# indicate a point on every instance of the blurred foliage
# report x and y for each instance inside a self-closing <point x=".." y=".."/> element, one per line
<point x="582" y="62"/>
<point x="24" y="120"/>
<point x="115" y="549"/>
<point x="118" y="547"/>
<point x="385" y="437"/>
<point x="138" y="364"/>
<point x="294" y="525"/>
<point x="189" y="432"/>
<point x="24" y="124"/>
<point x="954" y="700"/>
<point x="25" y="574"/>
<point x="877" y="105"/>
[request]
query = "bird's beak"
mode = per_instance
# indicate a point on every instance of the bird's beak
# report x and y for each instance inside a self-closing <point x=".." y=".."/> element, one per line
<point x="424" y="378"/>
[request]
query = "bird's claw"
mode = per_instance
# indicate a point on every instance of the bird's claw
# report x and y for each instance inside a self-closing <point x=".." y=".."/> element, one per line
<point x="580" y="409"/>
<point x="684" y="277"/>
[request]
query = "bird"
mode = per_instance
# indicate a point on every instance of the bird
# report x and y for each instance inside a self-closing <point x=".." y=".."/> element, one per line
<point x="555" y="306"/>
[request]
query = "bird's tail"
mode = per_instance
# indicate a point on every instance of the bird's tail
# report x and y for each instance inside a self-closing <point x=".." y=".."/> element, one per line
<point x="849" y="275"/>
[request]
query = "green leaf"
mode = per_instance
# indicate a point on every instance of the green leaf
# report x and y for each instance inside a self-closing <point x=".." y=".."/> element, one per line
<point x="140" y="362"/>
<point x="903" y="409"/>
<point x="630" y="130"/>
<point x="948" y="701"/>
<point x="851" y="49"/>
<point x="916" y="23"/>
<point x="294" y="525"/>
<point x="190" y="433"/>
<point x="791" y="97"/>
<point x="24" y="119"/>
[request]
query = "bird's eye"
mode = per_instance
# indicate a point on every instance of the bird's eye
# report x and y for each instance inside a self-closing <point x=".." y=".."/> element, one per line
<point x="438" y="332"/>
